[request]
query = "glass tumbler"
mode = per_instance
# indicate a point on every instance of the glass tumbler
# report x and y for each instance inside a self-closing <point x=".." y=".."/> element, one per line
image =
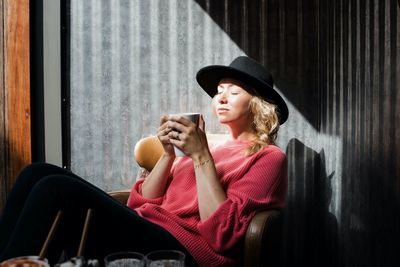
<point x="165" y="258"/>
<point x="125" y="259"/>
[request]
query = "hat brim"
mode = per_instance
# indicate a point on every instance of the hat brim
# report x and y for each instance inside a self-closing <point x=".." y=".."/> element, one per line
<point x="210" y="76"/>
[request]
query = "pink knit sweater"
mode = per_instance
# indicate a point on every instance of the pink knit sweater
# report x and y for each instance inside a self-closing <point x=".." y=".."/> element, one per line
<point x="252" y="183"/>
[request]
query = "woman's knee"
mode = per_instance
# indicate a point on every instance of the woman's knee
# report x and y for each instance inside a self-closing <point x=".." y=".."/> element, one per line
<point x="68" y="191"/>
<point x="34" y="172"/>
<point x="38" y="169"/>
<point x="61" y="189"/>
<point x="56" y="182"/>
<point x="61" y="185"/>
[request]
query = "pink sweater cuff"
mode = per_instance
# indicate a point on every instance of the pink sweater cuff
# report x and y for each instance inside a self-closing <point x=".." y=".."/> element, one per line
<point x="136" y="199"/>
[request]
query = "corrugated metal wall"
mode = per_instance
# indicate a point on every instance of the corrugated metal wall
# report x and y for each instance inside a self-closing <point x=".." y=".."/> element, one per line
<point x="131" y="62"/>
<point x="335" y="62"/>
<point x="359" y="93"/>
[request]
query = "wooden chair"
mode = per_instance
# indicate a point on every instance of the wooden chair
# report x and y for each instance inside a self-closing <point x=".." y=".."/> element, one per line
<point x="263" y="236"/>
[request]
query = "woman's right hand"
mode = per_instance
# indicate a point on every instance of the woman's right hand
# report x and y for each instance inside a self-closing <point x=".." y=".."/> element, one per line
<point x="156" y="182"/>
<point x="162" y="134"/>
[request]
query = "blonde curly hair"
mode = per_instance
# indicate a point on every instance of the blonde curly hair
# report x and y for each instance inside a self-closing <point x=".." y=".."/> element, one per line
<point x="265" y="124"/>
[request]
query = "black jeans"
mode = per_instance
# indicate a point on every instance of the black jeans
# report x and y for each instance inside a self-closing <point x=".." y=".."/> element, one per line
<point x="41" y="190"/>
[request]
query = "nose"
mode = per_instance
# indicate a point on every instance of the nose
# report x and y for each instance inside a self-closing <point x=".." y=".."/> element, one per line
<point x="221" y="97"/>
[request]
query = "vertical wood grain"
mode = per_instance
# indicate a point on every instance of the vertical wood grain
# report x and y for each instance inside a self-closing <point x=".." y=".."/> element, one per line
<point x="16" y="92"/>
<point x="2" y="109"/>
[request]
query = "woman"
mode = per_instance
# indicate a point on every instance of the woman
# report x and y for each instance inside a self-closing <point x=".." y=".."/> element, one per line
<point x="200" y="204"/>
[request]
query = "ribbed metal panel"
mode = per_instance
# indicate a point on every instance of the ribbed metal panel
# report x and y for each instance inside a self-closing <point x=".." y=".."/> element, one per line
<point x="336" y="63"/>
<point x="359" y="81"/>
<point x="131" y="62"/>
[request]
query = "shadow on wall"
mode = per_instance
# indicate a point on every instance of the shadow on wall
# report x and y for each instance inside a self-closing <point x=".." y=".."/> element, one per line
<point x="280" y="35"/>
<point x="310" y="230"/>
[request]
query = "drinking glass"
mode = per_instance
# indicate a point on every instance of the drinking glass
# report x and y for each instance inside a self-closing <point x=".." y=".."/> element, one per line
<point x="165" y="258"/>
<point x="125" y="259"/>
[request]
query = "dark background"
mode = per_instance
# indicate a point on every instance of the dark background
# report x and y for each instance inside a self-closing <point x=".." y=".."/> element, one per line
<point x="338" y="64"/>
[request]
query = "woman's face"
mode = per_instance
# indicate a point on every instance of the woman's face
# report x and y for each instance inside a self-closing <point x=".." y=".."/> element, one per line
<point x="232" y="103"/>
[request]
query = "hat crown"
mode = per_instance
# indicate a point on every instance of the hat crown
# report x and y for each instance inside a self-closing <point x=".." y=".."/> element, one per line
<point x="253" y="68"/>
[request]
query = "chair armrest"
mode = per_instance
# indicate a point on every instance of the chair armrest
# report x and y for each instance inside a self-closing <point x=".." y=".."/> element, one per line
<point x="120" y="195"/>
<point x="262" y="241"/>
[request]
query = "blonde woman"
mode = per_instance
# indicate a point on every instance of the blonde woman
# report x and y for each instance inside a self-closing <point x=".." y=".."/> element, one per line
<point x="200" y="204"/>
<point x="212" y="194"/>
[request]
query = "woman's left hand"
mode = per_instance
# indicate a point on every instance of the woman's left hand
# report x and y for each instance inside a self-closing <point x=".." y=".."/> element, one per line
<point x="187" y="136"/>
<point x="192" y="140"/>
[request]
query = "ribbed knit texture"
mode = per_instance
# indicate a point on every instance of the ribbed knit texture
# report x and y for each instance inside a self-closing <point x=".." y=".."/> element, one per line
<point x="252" y="183"/>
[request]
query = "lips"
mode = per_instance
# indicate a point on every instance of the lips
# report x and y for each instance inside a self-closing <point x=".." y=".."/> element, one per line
<point x="222" y="110"/>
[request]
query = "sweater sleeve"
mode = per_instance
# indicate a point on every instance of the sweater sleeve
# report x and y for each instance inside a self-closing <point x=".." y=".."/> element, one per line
<point x="263" y="186"/>
<point x="136" y="199"/>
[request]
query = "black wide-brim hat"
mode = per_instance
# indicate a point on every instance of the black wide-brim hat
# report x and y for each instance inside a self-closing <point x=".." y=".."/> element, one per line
<point x="249" y="72"/>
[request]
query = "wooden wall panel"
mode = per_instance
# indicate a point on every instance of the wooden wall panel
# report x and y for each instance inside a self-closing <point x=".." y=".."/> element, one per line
<point x="2" y="111"/>
<point x="15" y="87"/>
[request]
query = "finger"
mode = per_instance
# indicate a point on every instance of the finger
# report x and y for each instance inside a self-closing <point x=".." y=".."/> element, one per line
<point x="164" y="139"/>
<point x="163" y="131"/>
<point x="176" y="126"/>
<point x="180" y="119"/>
<point x="163" y="119"/>
<point x="182" y="137"/>
<point x="176" y="142"/>
<point x="174" y="135"/>
<point x="164" y="126"/>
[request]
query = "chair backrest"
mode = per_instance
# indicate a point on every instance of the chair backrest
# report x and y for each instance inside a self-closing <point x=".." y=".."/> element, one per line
<point x="147" y="152"/>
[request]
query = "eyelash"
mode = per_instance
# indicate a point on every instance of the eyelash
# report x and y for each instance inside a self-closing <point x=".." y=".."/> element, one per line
<point x="232" y="93"/>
